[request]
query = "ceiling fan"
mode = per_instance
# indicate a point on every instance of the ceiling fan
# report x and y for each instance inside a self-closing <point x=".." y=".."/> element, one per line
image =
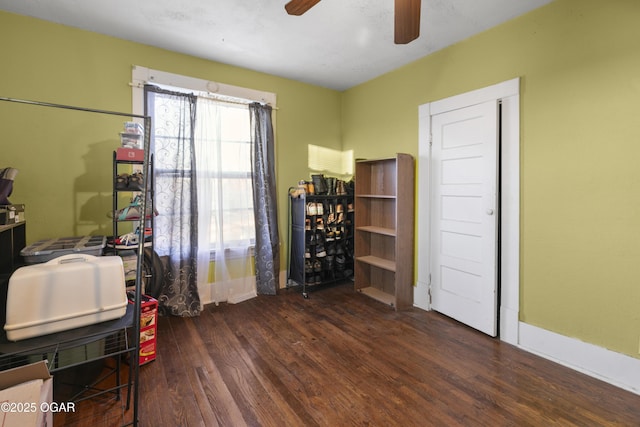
<point x="407" y="17"/>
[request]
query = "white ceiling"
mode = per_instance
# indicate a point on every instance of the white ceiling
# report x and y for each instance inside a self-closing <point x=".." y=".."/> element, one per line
<point x="337" y="44"/>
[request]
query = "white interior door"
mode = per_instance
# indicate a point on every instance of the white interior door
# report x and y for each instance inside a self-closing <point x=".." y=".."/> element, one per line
<point x="464" y="215"/>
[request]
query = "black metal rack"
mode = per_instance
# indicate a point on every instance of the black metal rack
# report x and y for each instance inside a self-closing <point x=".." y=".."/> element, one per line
<point x="13" y="353"/>
<point x="148" y="221"/>
<point x="320" y="239"/>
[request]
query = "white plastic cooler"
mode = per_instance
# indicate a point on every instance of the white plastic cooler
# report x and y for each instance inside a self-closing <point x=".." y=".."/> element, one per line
<point x="64" y="293"/>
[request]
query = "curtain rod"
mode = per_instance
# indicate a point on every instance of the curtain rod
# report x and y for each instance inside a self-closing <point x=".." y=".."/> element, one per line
<point x="212" y="95"/>
<point x="71" y="107"/>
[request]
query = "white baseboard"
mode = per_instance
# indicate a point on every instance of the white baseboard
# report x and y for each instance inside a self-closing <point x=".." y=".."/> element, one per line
<point x="238" y="298"/>
<point x="232" y="292"/>
<point x="606" y="365"/>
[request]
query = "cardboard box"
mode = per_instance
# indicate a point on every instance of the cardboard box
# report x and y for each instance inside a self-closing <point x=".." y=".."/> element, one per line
<point x="148" y="327"/>
<point x="26" y="394"/>
<point x="11" y="214"/>
<point x="129" y="154"/>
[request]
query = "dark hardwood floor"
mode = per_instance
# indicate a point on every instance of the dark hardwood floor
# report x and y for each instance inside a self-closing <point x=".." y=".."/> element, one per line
<point x="342" y="359"/>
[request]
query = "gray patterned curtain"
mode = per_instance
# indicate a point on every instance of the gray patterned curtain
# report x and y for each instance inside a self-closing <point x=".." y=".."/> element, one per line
<point x="175" y="229"/>
<point x="267" y="253"/>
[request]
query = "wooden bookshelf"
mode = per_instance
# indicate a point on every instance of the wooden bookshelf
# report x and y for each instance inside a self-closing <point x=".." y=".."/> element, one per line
<point x="384" y="219"/>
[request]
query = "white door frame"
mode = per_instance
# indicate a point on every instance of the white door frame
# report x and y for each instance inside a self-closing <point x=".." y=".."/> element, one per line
<point x="508" y="93"/>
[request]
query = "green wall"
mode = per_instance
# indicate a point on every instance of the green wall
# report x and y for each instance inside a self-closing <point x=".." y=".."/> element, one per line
<point x="64" y="157"/>
<point x="579" y="64"/>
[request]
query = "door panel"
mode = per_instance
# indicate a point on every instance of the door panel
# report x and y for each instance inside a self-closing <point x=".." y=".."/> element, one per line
<point x="464" y="215"/>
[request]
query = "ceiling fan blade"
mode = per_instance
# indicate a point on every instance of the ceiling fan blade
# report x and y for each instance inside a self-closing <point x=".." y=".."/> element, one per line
<point x="298" y="7"/>
<point x="407" y="21"/>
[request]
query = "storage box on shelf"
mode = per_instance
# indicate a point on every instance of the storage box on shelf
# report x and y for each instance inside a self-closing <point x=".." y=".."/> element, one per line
<point x="126" y="154"/>
<point x="384" y="204"/>
<point x="47" y="249"/>
<point x="133" y="135"/>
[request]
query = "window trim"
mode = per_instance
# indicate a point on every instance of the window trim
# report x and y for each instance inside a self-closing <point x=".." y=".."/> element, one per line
<point x="143" y="75"/>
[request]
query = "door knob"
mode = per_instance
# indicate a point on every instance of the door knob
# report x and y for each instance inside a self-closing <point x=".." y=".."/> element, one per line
<point x="489" y="211"/>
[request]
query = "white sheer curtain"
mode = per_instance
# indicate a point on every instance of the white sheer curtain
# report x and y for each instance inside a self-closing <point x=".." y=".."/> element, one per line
<point x="225" y="227"/>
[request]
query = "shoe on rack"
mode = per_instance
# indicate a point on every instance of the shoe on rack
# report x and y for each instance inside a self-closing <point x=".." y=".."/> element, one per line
<point x="125" y="241"/>
<point x="122" y="181"/>
<point x="136" y="202"/>
<point x="331" y="249"/>
<point x="128" y="213"/>
<point x="331" y="235"/>
<point x="135" y="182"/>
<point x="329" y="262"/>
<point x="319" y="183"/>
<point x="148" y="234"/>
<point x="312" y="209"/>
<point x="331" y="185"/>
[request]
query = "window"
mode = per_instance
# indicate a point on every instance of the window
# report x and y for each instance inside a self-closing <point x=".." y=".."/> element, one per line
<point x="228" y="171"/>
<point x="222" y="150"/>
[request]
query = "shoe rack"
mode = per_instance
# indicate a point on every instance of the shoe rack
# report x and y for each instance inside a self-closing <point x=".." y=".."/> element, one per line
<point x="320" y="239"/>
<point x="384" y="229"/>
<point x="129" y="186"/>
